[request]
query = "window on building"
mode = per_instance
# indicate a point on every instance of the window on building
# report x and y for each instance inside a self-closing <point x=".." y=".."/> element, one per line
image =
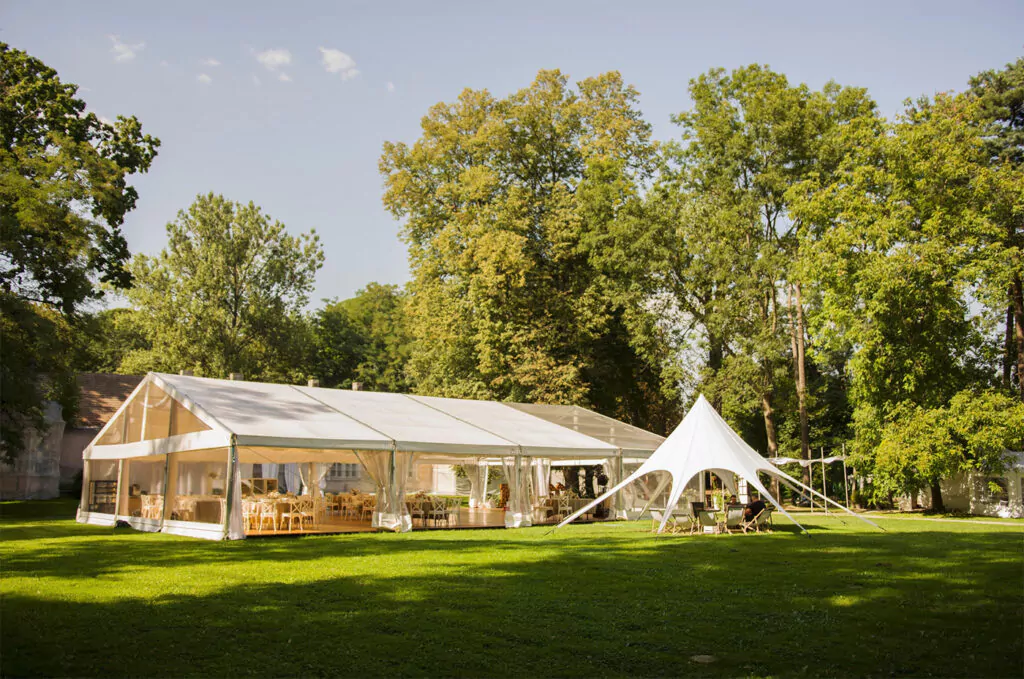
<point x="341" y="471"/>
<point x="992" y="489"/>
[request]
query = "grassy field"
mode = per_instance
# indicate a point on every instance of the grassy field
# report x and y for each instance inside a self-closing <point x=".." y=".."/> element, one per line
<point x="925" y="599"/>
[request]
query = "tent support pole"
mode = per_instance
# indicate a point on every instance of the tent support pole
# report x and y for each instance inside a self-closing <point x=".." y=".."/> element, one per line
<point x="824" y="476"/>
<point x="810" y="481"/>
<point x="620" y="507"/>
<point x="229" y="495"/>
<point x="793" y="482"/>
<point x="846" y="480"/>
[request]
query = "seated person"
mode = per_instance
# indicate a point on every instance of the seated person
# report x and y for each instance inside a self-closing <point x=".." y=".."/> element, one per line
<point x="753" y="508"/>
<point x="733" y="500"/>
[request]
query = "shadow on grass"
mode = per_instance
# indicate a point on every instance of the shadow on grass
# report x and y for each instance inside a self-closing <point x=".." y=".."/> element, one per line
<point x="595" y="600"/>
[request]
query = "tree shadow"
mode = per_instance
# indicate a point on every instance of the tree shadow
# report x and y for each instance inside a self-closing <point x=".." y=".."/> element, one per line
<point x="588" y="600"/>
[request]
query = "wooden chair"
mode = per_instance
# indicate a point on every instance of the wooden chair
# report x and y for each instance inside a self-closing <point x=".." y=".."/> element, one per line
<point x="250" y="514"/>
<point x="308" y="512"/>
<point x="564" y="508"/>
<point x="438" y="510"/>
<point x="291" y="515"/>
<point x="268" y="512"/>
<point x="366" y="512"/>
<point x="454" y="506"/>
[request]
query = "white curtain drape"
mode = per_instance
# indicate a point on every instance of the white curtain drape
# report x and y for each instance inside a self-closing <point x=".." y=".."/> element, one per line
<point x="518" y="474"/>
<point x="390" y="472"/>
<point x="292" y="478"/>
<point x="542" y="476"/>
<point x="313" y="475"/>
<point x="477" y="482"/>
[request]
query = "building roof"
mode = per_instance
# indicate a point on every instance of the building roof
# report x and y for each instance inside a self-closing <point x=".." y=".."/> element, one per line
<point x="100" y="395"/>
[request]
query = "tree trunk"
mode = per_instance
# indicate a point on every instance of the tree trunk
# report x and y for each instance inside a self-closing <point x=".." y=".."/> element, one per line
<point x="796" y="327"/>
<point x="801" y="382"/>
<point x="1018" y="313"/>
<point x="716" y="354"/>
<point x="1009" y="345"/>
<point x="937" y="504"/>
<point x="769" y="424"/>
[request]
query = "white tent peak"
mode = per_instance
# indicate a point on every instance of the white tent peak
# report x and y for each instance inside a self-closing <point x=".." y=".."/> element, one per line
<point x="704" y="441"/>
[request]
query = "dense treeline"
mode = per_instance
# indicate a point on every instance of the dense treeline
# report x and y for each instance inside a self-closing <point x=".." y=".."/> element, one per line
<point x="827" y="277"/>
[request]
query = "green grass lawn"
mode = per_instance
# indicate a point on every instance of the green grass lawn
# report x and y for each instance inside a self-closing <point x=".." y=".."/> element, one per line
<point x="924" y="599"/>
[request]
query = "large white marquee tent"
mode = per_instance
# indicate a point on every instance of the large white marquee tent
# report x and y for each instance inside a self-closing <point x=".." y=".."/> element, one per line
<point x="704" y="441"/>
<point x="183" y="435"/>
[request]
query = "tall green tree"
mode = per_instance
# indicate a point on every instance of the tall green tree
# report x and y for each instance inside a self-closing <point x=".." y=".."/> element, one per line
<point x="105" y="338"/>
<point x="909" y="215"/>
<point x="364" y="339"/>
<point x="226" y="294"/>
<point x="64" y="193"/>
<point x="733" y="244"/>
<point x="64" y="187"/>
<point x="1000" y="112"/>
<point x="505" y="203"/>
<point x="921" y="446"/>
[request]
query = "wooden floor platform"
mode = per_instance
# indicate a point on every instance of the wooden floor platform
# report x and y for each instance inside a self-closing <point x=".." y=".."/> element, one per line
<point x="468" y="519"/>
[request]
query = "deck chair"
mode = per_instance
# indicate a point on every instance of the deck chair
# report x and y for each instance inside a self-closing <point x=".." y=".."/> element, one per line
<point x="706" y="519"/>
<point x="656" y="517"/>
<point x="764" y="520"/>
<point x="734" y="519"/>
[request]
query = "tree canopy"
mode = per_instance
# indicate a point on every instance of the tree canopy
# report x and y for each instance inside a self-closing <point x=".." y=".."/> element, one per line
<point x="226" y="294"/>
<point x="64" y="193"/>
<point x="505" y="205"/>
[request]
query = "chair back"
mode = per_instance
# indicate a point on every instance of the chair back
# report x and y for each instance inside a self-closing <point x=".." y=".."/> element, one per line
<point x="706" y="518"/>
<point x="764" y="516"/>
<point x="733" y="515"/>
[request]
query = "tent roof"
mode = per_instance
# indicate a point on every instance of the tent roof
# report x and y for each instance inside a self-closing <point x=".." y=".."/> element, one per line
<point x="704" y="441"/>
<point x="283" y="417"/>
<point x="619" y="434"/>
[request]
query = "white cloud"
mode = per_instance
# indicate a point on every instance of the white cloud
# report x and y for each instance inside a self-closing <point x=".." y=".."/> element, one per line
<point x="391" y="86"/>
<point x="204" y="79"/>
<point x="210" y="62"/>
<point x="336" y="61"/>
<point x="274" y="59"/>
<point x="123" y="51"/>
<point x="284" y="77"/>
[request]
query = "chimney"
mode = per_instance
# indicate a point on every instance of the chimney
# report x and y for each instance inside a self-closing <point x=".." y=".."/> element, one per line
<point x="357" y="386"/>
<point x="313" y="382"/>
<point x="236" y="377"/>
<point x="185" y="373"/>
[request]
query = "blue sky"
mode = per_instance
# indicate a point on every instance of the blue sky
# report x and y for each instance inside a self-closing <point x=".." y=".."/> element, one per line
<point x="287" y="104"/>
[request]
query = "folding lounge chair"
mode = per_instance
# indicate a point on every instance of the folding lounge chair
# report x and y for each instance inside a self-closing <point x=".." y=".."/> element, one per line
<point x="657" y="516"/>
<point x="734" y="518"/>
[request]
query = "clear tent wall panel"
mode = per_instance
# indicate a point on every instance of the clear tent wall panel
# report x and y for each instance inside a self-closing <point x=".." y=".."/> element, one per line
<point x="619" y="434"/>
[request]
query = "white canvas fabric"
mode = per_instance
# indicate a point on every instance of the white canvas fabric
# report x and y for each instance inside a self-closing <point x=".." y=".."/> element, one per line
<point x="704" y="441"/>
<point x="261" y="414"/>
<point x="415" y="427"/>
<point x="534" y="436"/>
